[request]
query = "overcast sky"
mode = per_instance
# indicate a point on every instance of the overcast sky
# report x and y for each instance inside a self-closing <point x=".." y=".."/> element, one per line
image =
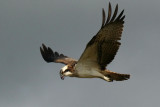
<point x="26" y="80"/>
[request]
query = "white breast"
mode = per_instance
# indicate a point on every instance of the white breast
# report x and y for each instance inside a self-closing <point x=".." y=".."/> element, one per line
<point x="87" y="71"/>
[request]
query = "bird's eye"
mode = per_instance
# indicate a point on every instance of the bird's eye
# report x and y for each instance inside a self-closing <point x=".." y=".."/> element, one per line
<point x="66" y="70"/>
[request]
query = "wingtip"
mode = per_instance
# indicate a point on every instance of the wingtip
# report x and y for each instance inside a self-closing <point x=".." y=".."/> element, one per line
<point x="43" y="45"/>
<point x="120" y="15"/>
<point x="109" y="13"/>
<point x="103" y="12"/>
<point x="109" y="3"/>
<point x="114" y="14"/>
<point x="103" y="17"/>
<point x="123" y="11"/>
<point x="117" y="5"/>
<point x="40" y="49"/>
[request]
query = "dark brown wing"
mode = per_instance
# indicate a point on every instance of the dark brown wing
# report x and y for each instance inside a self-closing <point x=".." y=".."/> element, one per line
<point x="103" y="47"/>
<point x="50" y="56"/>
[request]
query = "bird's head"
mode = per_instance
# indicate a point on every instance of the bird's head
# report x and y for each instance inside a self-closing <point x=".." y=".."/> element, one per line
<point x="66" y="71"/>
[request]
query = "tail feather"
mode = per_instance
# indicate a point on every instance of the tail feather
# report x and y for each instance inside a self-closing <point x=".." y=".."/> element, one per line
<point x="117" y="76"/>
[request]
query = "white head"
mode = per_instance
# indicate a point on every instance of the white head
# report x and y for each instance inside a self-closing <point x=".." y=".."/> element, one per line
<point x="66" y="71"/>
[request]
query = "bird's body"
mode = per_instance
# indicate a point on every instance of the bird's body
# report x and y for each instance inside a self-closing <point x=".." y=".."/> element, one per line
<point x="85" y="71"/>
<point x="99" y="52"/>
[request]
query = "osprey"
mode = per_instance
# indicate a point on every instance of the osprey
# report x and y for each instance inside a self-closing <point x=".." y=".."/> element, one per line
<point x="99" y="52"/>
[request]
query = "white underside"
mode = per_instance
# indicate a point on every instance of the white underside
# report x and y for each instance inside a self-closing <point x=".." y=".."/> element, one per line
<point x="89" y="74"/>
<point x="85" y="71"/>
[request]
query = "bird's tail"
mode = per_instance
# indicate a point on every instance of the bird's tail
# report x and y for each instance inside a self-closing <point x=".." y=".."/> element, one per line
<point x="117" y="76"/>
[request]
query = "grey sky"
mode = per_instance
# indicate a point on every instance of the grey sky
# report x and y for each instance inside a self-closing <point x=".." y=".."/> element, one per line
<point x="26" y="80"/>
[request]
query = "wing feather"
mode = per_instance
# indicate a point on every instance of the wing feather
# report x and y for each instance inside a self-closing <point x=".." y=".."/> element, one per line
<point x="103" y="18"/>
<point x="103" y="47"/>
<point x="50" y="56"/>
<point x="109" y="13"/>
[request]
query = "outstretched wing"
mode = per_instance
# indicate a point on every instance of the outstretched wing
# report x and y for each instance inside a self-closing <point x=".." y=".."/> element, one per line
<point x="50" y="56"/>
<point x="103" y="47"/>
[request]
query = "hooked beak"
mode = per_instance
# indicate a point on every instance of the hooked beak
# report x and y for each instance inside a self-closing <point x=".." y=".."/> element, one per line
<point x="61" y="74"/>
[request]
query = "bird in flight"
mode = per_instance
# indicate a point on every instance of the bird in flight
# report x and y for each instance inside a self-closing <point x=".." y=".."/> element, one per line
<point x="99" y="52"/>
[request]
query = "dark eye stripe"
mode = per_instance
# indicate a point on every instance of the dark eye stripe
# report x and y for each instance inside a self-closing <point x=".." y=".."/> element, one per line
<point x="66" y="70"/>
